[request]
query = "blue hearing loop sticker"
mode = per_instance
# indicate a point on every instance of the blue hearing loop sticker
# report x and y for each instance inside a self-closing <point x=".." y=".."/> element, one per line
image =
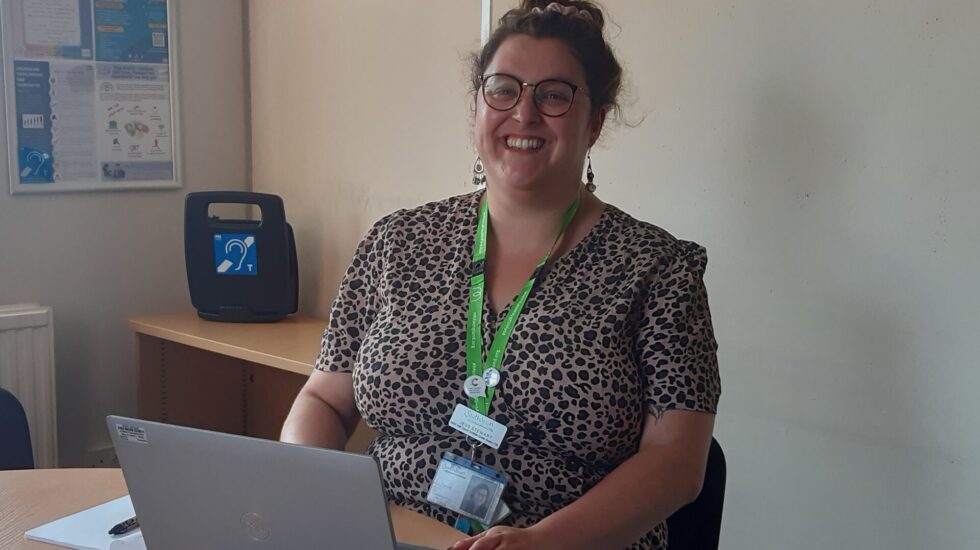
<point x="234" y="254"/>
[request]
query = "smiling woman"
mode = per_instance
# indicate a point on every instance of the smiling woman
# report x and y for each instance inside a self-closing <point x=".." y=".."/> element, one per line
<point x="582" y="333"/>
<point x="534" y="144"/>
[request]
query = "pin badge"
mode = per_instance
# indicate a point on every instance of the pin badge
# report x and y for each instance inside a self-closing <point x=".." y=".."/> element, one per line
<point x="475" y="386"/>
<point x="492" y="377"/>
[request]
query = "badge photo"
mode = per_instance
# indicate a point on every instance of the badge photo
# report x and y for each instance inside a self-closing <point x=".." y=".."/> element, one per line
<point x="468" y="488"/>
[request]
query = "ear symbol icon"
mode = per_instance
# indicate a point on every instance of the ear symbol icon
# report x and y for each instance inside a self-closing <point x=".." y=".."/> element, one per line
<point x="35" y="161"/>
<point x="239" y="248"/>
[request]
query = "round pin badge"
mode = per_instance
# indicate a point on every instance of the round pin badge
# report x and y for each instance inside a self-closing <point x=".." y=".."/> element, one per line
<point x="492" y="377"/>
<point x="475" y="386"/>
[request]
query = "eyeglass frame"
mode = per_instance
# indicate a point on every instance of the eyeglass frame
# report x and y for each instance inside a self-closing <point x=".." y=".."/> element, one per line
<point x="575" y="88"/>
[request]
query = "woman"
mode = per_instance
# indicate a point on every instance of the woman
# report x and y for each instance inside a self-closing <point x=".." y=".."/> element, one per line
<point x="477" y="501"/>
<point x="608" y="384"/>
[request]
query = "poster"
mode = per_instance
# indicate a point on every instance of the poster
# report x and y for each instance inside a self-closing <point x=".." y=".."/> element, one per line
<point x="89" y="94"/>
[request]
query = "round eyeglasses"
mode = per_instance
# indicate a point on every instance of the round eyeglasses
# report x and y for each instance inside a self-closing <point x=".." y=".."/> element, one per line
<point x="552" y="97"/>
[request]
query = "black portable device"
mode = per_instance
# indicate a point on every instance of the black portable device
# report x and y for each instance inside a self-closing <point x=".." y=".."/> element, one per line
<point x="240" y="270"/>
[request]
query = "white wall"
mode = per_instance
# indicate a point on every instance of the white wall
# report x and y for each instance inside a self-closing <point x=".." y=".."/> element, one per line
<point x="99" y="258"/>
<point x="824" y="152"/>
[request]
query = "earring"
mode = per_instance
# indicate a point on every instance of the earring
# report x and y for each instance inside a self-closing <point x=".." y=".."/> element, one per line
<point x="590" y="177"/>
<point x="479" y="172"/>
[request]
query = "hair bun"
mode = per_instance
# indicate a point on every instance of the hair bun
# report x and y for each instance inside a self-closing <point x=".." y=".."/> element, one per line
<point x="582" y="9"/>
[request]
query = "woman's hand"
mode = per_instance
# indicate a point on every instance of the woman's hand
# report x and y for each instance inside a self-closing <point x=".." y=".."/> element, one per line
<point x="508" y="538"/>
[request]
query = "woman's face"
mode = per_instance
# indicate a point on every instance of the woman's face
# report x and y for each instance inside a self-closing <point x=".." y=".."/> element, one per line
<point x="480" y="496"/>
<point x="523" y="150"/>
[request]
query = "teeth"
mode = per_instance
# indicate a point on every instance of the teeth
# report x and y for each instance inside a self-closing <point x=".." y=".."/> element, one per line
<point x="525" y="143"/>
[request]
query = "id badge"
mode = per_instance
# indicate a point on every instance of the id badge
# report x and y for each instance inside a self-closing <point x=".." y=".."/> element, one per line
<point x="481" y="428"/>
<point x="468" y="488"/>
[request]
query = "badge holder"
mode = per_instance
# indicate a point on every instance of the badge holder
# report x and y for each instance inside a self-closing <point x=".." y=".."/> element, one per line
<point x="469" y="488"/>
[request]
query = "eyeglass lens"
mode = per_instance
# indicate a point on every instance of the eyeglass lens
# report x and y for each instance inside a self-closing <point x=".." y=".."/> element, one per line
<point x="552" y="97"/>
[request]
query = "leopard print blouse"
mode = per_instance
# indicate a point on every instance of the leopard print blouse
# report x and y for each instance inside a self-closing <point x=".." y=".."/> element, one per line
<point x="617" y="329"/>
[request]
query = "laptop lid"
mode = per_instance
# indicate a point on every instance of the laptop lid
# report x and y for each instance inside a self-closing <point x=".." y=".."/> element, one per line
<point x="195" y="488"/>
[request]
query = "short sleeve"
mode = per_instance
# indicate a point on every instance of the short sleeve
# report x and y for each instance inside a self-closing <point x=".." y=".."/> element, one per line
<point x="356" y="305"/>
<point x="675" y="342"/>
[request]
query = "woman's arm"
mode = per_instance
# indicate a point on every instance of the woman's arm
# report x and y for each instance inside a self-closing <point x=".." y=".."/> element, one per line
<point x="324" y="413"/>
<point x="664" y="475"/>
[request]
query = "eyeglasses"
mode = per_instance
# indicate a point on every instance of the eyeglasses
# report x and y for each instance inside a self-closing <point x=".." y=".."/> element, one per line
<point x="552" y="97"/>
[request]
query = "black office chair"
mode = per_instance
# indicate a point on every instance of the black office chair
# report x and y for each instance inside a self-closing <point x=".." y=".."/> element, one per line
<point x="697" y="526"/>
<point x="15" y="435"/>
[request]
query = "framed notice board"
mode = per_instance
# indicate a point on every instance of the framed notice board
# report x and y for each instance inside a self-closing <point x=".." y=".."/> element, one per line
<point x="90" y="94"/>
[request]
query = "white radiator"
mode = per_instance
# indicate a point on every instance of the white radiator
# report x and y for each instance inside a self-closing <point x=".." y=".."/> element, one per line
<point x="27" y="371"/>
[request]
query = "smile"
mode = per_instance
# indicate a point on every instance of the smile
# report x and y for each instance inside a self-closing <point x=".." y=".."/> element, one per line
<point x="525" y="144"/>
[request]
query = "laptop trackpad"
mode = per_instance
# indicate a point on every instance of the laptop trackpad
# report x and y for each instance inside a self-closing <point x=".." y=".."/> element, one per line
<point x="403" y="546"/>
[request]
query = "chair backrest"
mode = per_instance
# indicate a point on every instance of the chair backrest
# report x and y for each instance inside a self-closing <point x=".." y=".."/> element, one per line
<point x="697" y="526"/>
<point x="15" y="435"/>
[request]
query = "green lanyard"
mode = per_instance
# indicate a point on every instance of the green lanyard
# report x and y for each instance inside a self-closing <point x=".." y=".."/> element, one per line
<point x="474" y="329"/>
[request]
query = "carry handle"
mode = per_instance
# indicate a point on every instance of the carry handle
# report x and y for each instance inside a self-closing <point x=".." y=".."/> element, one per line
<point x="233" y="197"/>
<point x="197" y="204"/>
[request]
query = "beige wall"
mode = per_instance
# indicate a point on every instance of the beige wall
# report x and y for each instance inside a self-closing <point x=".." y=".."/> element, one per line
<point x="99" y="258"/>
<point x="824" y="152"/>
<point x="358" y="109"/>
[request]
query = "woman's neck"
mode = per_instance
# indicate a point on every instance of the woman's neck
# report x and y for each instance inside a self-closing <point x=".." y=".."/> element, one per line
<point x="525" y="225"/>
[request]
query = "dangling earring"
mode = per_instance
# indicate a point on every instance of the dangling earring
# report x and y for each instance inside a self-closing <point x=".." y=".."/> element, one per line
<point x="479" y="172"/>
<point x="590" y="177"/>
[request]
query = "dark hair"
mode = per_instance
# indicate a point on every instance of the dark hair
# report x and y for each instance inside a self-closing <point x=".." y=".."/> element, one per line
<point x="603" y="74"/>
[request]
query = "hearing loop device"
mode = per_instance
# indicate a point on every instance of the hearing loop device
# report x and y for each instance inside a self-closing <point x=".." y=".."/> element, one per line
<point x="240" y="270"/>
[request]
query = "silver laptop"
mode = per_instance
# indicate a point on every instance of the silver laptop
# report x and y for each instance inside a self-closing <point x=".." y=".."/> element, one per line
<point x="199" y="489"/>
